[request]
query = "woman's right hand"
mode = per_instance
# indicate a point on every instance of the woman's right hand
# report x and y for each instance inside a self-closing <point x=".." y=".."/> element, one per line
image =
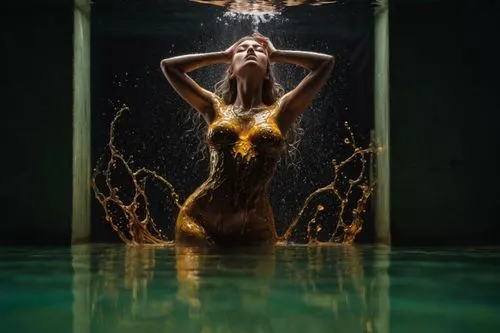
<point x="265" y="42"/>
<point x="229" y="52"/>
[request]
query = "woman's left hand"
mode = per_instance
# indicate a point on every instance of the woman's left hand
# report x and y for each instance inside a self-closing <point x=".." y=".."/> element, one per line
<point x="266" y="43"/>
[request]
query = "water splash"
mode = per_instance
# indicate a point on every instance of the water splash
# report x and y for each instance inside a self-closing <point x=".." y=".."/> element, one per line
<point x="134" y="224"/>
<point x="139" y="227"/>
<point x="255" y="18"/>
<point x="350" y="216"/>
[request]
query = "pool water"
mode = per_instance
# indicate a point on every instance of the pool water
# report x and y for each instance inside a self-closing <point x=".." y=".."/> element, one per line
<point x="114" y="288"/>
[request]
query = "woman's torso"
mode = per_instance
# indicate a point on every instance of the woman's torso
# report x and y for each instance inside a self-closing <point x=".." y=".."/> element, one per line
<point x="244" y="152"/>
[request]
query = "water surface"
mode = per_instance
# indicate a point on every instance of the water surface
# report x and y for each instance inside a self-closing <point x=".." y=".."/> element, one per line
<point x="114" y="288"/>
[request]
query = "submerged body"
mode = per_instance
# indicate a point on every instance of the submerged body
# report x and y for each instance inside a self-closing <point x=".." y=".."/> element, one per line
<point x="248" y="119"/>
<point x="232" y="206"/>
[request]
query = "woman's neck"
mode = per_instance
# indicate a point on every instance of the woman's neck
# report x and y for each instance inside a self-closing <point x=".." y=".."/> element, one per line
<point x="249" y="94"/>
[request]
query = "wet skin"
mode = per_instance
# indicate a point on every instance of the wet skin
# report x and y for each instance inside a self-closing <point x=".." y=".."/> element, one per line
<point x="232" y="206"/>
<point x="245" y="137"/>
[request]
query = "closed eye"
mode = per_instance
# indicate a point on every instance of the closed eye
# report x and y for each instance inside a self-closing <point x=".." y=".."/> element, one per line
<point x="244" y="47"/>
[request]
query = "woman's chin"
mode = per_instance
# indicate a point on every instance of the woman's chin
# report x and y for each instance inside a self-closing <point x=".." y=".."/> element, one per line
<point x="250" y="68"/>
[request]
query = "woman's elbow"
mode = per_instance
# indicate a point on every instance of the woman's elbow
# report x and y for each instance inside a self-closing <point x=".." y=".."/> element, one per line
<point x="167" y="68"/>
<point x="327" y="64"/>
<point x="164" y="65"/>
<point x="330" y="61"/>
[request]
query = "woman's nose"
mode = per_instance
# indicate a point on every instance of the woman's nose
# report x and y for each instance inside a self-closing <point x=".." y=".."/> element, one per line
<point x="250" y="50"/>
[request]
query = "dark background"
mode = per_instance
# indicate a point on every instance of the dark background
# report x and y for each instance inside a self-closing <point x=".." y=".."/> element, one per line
<point x="444" y="104"/>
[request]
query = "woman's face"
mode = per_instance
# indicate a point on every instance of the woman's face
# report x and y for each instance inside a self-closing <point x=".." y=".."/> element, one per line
<point x="250" y="58"/>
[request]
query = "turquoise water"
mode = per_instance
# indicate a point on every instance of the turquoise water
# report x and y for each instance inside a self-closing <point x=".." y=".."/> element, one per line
<point x="112" y="288"/>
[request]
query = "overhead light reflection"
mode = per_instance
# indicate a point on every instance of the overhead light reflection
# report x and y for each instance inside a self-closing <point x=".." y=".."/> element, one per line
<point x="261" y="6"/>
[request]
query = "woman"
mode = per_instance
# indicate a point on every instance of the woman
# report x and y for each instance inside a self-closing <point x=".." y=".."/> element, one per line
<point x="247" y="123"/>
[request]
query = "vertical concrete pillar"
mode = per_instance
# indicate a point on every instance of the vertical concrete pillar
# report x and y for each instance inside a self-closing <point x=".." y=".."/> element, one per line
<point x="81" y="123"/>
<point x="381" y="93"/>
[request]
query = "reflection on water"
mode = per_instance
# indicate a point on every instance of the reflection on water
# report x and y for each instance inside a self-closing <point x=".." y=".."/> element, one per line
<point x="102" y="288"/>
<point x="297" y="289"/>
<point x="261" y="6"/>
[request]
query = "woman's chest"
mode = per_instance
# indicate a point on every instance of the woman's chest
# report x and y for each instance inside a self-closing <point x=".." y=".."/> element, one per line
<point x="252" y="128"/>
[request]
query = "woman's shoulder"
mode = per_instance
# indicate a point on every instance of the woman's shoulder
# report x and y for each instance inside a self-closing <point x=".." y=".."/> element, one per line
<point x="218" y="101"/>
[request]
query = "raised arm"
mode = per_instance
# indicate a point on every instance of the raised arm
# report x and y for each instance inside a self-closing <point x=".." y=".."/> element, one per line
<point x="175" y="70"/>
<point x="295" y="102"/>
